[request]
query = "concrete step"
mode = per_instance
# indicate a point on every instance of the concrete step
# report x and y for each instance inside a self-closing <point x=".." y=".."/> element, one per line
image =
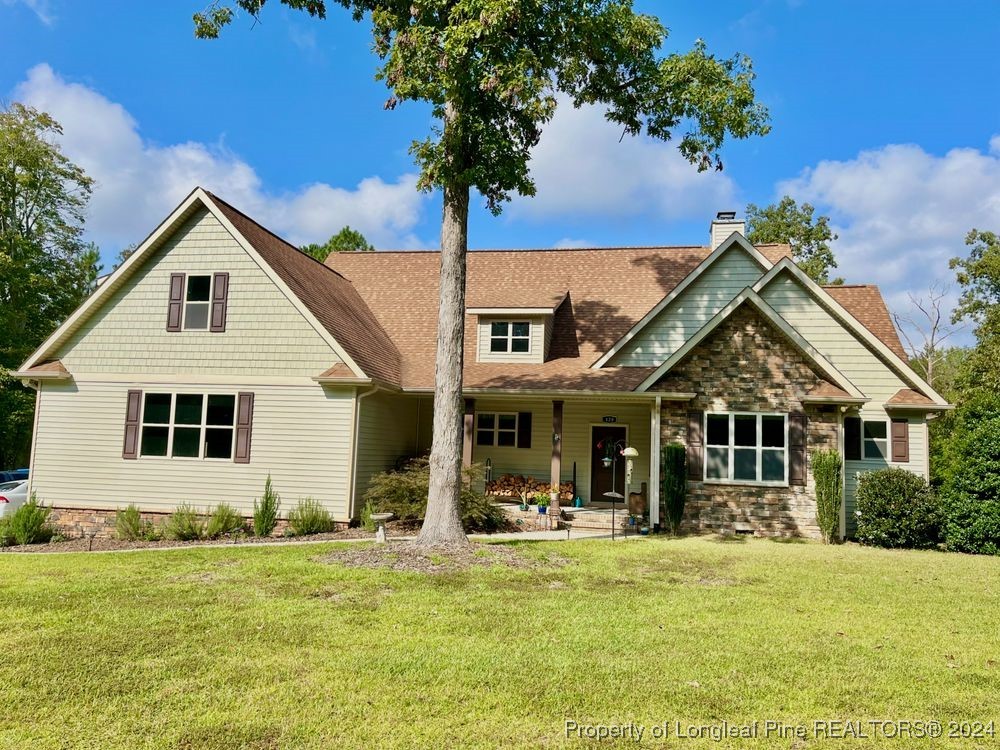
<point x="595" y="518"/>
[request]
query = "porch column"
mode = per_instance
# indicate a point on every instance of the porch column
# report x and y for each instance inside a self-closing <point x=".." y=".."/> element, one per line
<point x="468" y="431"/>
<point x="654" y="462"/>
<point x="555" y="476"/>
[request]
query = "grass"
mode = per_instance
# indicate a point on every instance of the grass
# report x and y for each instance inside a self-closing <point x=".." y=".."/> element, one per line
<point x="268" y="648"/>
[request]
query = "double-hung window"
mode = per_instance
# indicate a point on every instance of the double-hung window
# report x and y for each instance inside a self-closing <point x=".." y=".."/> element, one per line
<point x="876" y="439"/>
<point x="496" y="429"/>
<point x="746" y="448"/>
<point x="510" y="337"/>
<point x="188" y="425"/>
<point x="197" y="301"/>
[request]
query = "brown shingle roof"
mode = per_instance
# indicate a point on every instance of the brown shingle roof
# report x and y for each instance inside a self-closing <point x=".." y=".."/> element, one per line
<point x="826" y="390"/>
<point x="864" y="302"/>
<point x="52" y="369"/>
<point x="330" y="297"/>
<point x="909" y="397"/>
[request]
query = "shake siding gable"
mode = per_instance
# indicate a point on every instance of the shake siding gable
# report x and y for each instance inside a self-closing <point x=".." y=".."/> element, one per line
<point x="683" y="317"/>
<point x="265" y="335"/>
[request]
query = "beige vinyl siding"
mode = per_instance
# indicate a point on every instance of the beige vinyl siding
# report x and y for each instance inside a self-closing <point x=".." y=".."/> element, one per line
<point x="858" y="363"/>
<point x="265" y="333"/>
<point x="538" y="340"/>
<point x="387" y="431"/>
<point x="733" y="271"/>
<point x="301" y="436"/>
<point x="578" y="417"/>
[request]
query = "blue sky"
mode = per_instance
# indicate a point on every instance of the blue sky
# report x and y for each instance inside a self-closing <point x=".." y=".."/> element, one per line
<point x="885" y="115"/>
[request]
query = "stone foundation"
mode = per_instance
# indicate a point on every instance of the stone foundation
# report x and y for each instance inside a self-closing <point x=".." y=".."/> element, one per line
<point x="100" y="523"/>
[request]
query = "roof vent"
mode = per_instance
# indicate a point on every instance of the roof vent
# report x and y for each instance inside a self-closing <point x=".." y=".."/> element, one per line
<point x="724" y="225"/>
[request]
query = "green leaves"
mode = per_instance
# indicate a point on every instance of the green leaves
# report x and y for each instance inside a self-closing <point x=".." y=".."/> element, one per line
<point x="979" y="276"/>
<point x="502" y="66"/>
<point x="788" y="222"/>
<point x="346" y="240"/>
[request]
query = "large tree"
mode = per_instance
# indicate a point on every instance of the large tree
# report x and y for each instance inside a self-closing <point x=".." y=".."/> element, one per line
<point x="346" y="240"/>
<point x="493" y="72"/>
<point x="46" y="268"/>
<point x="789" y="223"/>
<point x="978" y="275"/>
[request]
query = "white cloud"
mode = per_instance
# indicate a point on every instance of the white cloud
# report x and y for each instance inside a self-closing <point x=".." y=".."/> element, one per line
<point x="902" y="212"/>
<point x="570" y="243"/>
<point x="39" y="7"/>
<point x="138" y="183"/>
<point x="581" y="169"/>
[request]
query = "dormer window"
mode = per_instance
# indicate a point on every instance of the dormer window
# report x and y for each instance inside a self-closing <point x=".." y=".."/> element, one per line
<point x="510" y="337"/>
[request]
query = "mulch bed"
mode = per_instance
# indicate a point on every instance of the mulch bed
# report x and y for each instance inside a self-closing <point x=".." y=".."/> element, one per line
<point x="440" y="558"/>
<point x="98" y="544"/>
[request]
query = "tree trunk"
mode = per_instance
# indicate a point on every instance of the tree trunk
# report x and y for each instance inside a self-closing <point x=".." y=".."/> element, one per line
<point x="442" y="522"/>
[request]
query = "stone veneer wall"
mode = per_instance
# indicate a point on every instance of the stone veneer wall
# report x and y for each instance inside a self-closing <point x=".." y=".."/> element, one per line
<point x="82" y="522"/>
<point x="747" y="364"/>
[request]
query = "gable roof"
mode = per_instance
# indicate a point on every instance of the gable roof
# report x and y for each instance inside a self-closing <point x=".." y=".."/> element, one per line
<point x="844" y="314"/>
<point x="325" y="299"/>
<point x="749" y="296"/>
<point x="330" y="297"/>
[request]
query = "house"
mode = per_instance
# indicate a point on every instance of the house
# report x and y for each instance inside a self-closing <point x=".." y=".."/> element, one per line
<point x="218" y="354"/>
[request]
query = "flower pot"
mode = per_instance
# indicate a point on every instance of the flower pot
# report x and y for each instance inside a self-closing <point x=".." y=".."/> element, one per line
<point x="522" y="506"/>
<point x="542" y="510"/>
<point x="578" y="502"/>
<point x="644" y="531"/>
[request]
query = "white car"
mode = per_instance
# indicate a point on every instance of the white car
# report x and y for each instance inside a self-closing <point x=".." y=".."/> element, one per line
<point x="12" y="496"/>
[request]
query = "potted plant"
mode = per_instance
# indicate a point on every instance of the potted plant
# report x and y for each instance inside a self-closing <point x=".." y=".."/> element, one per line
<point x="542" y="500"/>
<point x="524" y="501"/>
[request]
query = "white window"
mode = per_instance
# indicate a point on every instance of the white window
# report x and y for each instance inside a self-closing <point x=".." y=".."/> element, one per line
<point x="510" y="337"/>
<point x="746" y="448"/>
<point x="496" y="429"/>
<point x="875" y="439"/>
<point x="188" y="425"/>
<point x="197" y="302"/>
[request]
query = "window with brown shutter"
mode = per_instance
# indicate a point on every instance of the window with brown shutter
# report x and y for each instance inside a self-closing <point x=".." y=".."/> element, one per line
<point x="244" y="427"/>
<point x="695" y="445"/>
<point x="797" y="429"/>
<point x="900" y="441"/>
<point x="175" y="307"/>
<point x="133" y="412"/>
<point x="220" y="298"/>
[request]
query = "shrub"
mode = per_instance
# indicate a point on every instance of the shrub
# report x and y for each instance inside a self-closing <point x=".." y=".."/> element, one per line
<point x="309" y="517"/>
<point x="404" y="494"/>
<point x="366" y="515"/>
<point x="30" y="523"/>
<point x="897" y="508"/>
<point x="829" y="491"/>
<point x="184" y="524"/>
<point x="265" y="511"/>
<point x="673" y="483"/>
<point x="971" y="488"/>
<point x="224" y="520"/>
<point x="6" y="537"/>
<point x="130" y="526"/>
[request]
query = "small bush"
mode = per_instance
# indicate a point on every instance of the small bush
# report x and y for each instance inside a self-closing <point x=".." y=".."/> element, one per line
<point x="404" y="494"/>
<point x="30" y="523"/>
<point x="829" y="491"/>
<point x="366" y="515"/>
<point x="130" y="526"/>
<point x="184" y="524"/>
<point x="224" y="520"/>
<point x="265" y="511"/>
<point x="897" y="508"/>
<point x="673" y="483"/>
<point x="6" y="537"/>
<point x="309" y="517"/>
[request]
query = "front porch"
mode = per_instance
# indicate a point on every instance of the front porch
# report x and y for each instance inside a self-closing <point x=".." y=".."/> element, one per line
<point x="568" y="450"/>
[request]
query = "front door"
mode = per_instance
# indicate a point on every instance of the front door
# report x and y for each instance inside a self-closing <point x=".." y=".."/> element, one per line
<point x="606" y="440"/>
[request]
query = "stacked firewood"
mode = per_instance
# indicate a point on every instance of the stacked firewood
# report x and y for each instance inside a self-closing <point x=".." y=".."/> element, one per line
<point x="514" y="485"/>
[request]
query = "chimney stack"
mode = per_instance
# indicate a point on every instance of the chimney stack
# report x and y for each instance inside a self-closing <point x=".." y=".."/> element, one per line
<point x="724" y="225"/>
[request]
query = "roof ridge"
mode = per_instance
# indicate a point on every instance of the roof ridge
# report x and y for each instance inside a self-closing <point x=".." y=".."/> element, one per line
<point x="276" y="236"/>
<point x="610" y="248"/>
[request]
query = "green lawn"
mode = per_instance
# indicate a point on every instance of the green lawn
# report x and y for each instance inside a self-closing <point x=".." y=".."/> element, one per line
<point x="267" y="647"/>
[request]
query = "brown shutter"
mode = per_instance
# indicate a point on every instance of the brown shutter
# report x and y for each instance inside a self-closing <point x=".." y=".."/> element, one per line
<point x="244" y="426"/>
<point x="175" y="308"/>
<point x="220" y="299"/>
<point x="797" y="423"/>
<point x="133" y="412"/>
<point x="852" y="438"/>
<point x="524" y="429"/>
<point x="696" y="445"/>
<point x="900" y="441"/>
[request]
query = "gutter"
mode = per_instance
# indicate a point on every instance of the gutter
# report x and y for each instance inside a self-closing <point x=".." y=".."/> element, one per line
<point x="532" y="392"/>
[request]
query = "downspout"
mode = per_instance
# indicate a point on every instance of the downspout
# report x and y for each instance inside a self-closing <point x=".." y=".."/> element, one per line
<point x="843" y="473"/>
<point x="358" y="397"/>
<point x="37" y="385"/>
